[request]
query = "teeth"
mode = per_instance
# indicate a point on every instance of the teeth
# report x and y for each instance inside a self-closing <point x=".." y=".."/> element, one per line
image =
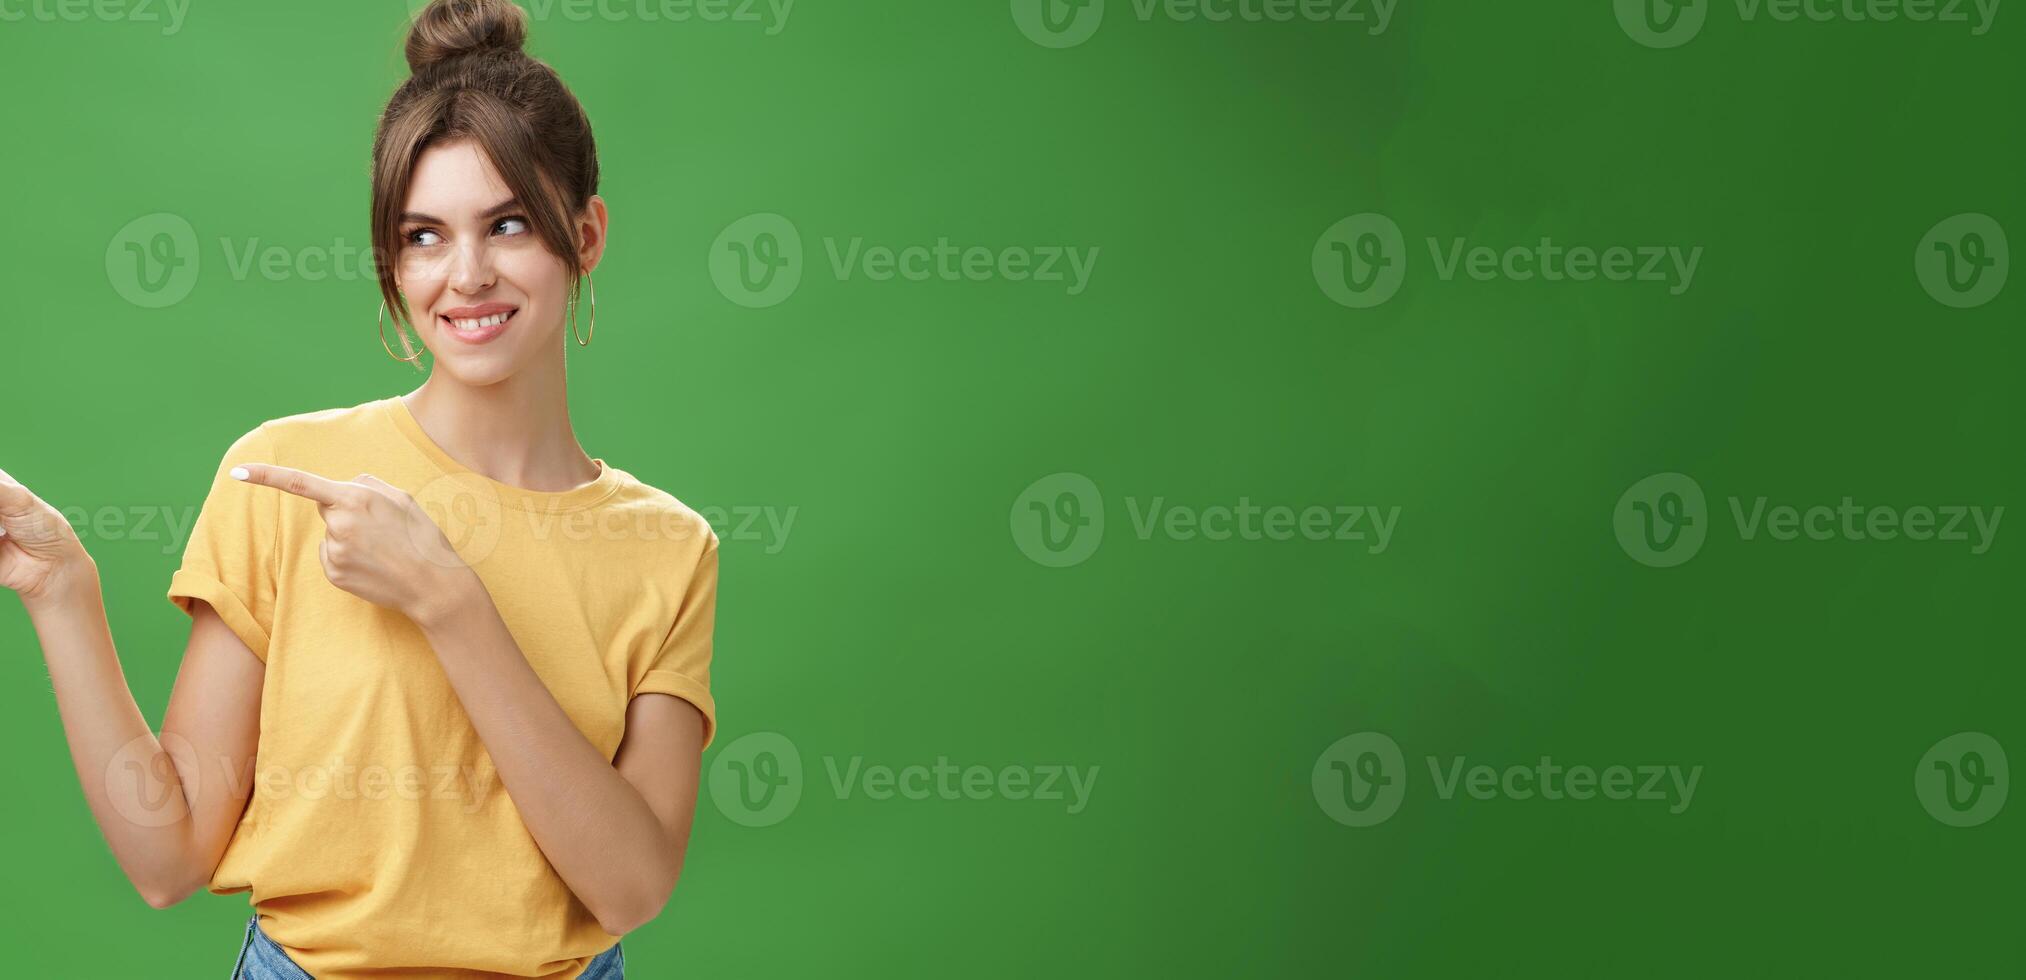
<point x="482" y="322"/>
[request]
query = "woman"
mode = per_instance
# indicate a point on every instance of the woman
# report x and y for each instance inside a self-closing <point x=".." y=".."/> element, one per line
<point x="475" y="675"/>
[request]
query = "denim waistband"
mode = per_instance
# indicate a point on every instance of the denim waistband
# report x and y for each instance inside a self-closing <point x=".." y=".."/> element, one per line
<point x="261" y="958"/>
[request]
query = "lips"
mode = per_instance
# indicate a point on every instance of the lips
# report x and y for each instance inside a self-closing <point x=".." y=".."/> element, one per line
<point x="477" y="324"/>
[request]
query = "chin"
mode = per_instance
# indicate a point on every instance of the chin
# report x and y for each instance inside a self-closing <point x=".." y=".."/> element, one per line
<point x="475" y="367"/>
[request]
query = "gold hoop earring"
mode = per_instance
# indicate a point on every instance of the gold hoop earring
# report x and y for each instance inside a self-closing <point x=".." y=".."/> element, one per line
<point x="585" y="341"/>
<point x="382" y="323"/>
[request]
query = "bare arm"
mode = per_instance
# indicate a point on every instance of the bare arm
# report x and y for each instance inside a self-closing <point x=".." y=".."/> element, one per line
<point x="615" y="832"/>
<point x="167" y="806"/>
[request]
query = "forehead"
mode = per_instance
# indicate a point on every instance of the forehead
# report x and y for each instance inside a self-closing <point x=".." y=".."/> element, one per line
<point x="454" y="178"/>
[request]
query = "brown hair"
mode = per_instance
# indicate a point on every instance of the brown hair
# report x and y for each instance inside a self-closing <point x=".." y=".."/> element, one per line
<point x="469" y="79"/>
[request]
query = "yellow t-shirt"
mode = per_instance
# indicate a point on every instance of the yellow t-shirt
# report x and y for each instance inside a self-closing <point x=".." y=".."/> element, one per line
<point x="378" y="840"/>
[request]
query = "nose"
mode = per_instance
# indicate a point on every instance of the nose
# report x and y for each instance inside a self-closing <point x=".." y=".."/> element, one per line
<point x="471" y="270"/>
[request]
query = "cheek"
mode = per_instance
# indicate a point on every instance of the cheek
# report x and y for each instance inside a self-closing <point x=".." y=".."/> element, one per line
<point x="420" y="280"/>
<point x="421" y="294"/>
<point x="539" y="280"/>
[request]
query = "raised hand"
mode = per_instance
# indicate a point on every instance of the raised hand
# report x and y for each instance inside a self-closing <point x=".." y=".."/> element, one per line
<point x="40" y="554"/>
<point x="379" y="544"/>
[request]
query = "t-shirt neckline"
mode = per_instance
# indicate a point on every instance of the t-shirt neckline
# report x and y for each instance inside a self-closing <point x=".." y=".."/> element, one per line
<point x="575" y="498"/>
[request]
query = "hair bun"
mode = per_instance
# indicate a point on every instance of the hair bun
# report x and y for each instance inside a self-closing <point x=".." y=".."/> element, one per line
<point x="448" y="29"/>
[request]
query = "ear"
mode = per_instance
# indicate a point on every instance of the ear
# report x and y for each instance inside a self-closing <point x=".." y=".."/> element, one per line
<point x="592" y="223"/>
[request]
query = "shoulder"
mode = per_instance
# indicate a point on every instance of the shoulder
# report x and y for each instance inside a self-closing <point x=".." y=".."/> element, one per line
<point x="673" y="519"/>
<point x="321" y="424"/>
<point x="286" y="435"/>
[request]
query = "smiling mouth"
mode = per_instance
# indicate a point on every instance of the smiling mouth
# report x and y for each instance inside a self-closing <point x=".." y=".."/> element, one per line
<point x="483" y="324"/>
<point x="475" y="324"/>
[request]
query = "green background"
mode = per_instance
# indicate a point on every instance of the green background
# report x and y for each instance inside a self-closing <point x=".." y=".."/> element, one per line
<point x="899" y="622"/>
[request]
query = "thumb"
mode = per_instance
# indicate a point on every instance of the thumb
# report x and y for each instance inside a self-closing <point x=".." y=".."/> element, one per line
<point x="15" y="500"/>
<point x="24" y="517"/>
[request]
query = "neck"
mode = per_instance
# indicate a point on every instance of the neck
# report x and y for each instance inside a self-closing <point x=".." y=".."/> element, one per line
<point x="516" y="431"/>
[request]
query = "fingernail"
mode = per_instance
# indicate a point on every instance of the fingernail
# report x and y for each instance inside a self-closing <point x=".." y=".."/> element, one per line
<point x="239" y="473"/>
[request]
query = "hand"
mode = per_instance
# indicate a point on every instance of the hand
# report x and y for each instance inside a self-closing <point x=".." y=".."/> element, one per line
<point x="40" y="555"/>
<point x="378" y="544"/>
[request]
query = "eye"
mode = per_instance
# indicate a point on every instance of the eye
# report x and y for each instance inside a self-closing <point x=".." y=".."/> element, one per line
<point x="511" y="226"/>
<point x="424" y="237"/>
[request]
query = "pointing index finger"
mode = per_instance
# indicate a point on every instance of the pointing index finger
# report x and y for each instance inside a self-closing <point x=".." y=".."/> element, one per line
<point x="303" y="484"/>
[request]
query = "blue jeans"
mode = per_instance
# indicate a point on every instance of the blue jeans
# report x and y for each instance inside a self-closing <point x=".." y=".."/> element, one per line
<point x="261" y="958"/>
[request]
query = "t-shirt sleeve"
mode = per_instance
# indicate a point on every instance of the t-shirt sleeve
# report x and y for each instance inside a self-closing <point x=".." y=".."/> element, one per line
<point x="682" y="665"/>
<point x="230" y="559"/>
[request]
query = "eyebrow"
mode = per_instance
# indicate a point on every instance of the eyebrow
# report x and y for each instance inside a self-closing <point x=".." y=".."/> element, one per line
<point x="416" y="217"/>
